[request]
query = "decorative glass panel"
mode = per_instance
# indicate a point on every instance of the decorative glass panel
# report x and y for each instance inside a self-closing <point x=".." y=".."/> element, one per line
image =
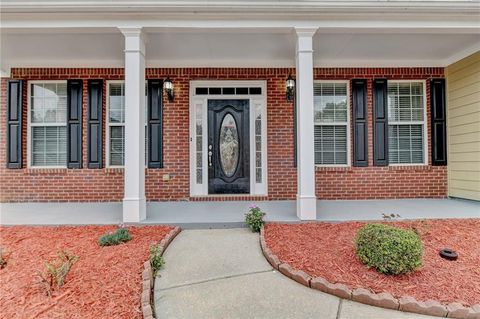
<point x="229" y="145"/>
<point x="258" y="142"/>
<point x="199" y="142"/>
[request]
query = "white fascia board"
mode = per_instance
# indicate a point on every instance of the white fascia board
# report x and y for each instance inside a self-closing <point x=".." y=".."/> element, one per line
<point x="270" y="6"/>
<point x="351" y="23"/>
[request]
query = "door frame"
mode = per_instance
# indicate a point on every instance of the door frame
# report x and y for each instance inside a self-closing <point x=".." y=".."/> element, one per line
<point x="199" y="112"/>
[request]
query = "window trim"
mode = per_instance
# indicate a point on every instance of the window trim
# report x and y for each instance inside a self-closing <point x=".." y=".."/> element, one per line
<point x="107" y="124"/>
<point x="348" y="124"/>
<point x="29" y="125"/>
<point x="424" y="123"/>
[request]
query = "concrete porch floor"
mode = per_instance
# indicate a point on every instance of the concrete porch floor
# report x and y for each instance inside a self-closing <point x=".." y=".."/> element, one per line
<point x="231" y="214"/>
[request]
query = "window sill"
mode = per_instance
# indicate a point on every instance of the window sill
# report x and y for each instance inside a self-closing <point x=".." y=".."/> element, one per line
<point x="409" y="167"/>
<point x="45" y="170"/>
<point x="114" y="170"/>
<point x="339" y="168"/>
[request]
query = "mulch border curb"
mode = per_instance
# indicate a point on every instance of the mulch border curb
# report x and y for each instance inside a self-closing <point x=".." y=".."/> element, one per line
<point x="365" y="296"/>
<point x="147" y="277"/>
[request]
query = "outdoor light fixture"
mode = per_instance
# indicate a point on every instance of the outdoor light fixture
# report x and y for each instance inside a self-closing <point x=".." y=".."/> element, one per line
<point x="168" y="87"/>
<point x="290" y="88"/>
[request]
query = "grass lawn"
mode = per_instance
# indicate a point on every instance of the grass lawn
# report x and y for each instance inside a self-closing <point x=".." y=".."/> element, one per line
<point x="105" y="282"/>
<point x="327" y="250"/>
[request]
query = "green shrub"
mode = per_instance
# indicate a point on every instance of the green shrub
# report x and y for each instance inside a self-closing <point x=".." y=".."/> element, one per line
<point x="156" y="259"/>
<point x="121" y="235"/>
<point x="388" y="249"/>
<point x="254" y="218"/>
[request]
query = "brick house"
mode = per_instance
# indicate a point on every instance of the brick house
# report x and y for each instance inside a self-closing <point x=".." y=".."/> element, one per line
<point x="312" y="101"/>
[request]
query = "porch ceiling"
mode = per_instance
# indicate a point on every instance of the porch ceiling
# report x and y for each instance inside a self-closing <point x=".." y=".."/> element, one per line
<point x="264" y="47"/>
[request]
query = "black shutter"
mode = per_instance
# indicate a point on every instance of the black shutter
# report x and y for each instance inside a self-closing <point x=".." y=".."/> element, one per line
<point x="155" y="124"/>
<point x="74" y="124"/>
<point x="14" y="124"/>
<point x="95" y="116"/>
<point x="360" y="129"/>
<point x="439" y="123"/>
<point x="380" y="123"/>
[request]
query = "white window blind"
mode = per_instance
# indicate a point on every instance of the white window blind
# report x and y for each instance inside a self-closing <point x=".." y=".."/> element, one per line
<point x="48" y="124"/>
<point x="116" y="124"/>
<point x="331" y="123"/>
<point x="406" y="107"/>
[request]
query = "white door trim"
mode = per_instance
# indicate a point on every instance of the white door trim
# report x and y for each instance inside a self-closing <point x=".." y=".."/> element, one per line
<point x="199" y="113"/>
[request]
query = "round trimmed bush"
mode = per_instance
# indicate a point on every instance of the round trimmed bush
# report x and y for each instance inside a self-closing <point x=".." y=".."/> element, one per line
<point x="388" y="249"/>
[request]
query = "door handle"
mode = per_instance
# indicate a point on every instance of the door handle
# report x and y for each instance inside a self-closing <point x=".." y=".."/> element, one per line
<point x="210" y="155"/>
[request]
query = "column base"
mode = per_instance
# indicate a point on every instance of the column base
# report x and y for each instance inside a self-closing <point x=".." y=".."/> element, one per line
<point x="134" y="210"/>
<point x="306" y="207"/>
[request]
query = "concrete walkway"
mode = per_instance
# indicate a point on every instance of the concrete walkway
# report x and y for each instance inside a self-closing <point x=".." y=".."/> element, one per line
<point x="222" y="274"/>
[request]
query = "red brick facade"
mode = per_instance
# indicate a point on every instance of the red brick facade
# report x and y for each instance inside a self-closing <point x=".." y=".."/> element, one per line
<point x="22" y="185"/>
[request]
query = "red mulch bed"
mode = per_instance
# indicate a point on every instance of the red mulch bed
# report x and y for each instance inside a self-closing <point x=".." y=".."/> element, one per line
<point x="327" y="250"/>
<point x="104" y="283"/>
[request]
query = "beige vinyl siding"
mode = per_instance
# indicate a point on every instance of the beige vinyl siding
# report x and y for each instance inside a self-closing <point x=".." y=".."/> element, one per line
<point x="463" y="127"/>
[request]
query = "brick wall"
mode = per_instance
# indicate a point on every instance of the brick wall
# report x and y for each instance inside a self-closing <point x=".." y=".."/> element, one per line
<point x="21" y="185"/>
<point x="381" y="182"/>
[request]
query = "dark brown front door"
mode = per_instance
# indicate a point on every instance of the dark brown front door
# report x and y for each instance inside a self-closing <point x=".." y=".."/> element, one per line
<point x="228" y="147"/>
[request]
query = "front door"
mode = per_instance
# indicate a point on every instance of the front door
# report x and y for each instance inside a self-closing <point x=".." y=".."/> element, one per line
<point x="228" y="147"/>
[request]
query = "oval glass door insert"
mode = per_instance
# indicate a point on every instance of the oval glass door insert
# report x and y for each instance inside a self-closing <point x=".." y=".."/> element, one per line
<point x="229" y="145"/>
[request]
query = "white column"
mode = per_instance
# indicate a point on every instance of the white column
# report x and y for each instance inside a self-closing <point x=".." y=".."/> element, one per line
<point x="306" y="200"/>
<point x="134" y="202"/>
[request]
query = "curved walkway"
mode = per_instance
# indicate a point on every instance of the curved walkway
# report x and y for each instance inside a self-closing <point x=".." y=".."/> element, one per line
<point x="222" y="273"/>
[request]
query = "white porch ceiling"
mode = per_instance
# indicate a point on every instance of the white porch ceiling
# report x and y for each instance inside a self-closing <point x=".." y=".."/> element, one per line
<point x="231" y="48"/>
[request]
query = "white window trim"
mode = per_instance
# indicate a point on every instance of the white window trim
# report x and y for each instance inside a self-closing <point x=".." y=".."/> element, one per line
<point x="424" y="123"/>
<point x="256" y="189"/>
<point x="349" y="138"/>
<point x="30" y="125"/>
<point x="107" y="126"/>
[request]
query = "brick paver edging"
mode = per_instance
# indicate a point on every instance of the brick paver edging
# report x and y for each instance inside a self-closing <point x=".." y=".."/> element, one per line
<point x="147" y="277"/>
<point x="384" y="300"/>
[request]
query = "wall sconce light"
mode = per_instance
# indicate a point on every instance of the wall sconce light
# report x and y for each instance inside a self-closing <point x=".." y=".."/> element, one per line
<point x="290" y="88"/>
<point x="168" y="87"/>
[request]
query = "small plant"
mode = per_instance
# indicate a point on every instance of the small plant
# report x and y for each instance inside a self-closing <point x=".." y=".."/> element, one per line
<point x="121" y="235"/>
<point x="391" y="216"/>
<point x="388" y="249"/>
<point x="156" y="259"/>
<point x="254" y="218"/>
<point x="56" y="272"/>
<point x="4" y="256"/>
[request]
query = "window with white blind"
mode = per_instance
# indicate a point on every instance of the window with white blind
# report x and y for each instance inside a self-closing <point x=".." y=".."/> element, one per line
<point x="406" y="122"/>
<point x="48" y="124"/>
<point x="331" y="123"/>
<point x="116" y="124"/>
